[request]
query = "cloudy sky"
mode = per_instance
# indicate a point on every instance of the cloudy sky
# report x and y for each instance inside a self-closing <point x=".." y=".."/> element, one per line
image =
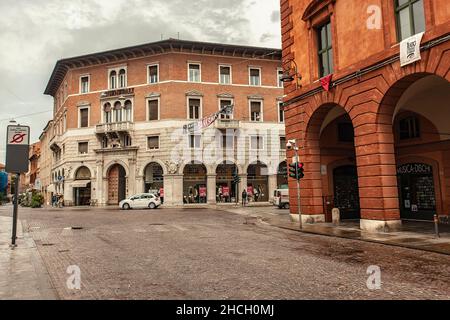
<point x="34" y="34"/>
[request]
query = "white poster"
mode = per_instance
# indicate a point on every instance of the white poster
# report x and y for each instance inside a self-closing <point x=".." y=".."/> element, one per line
<point x="410" y="49"/>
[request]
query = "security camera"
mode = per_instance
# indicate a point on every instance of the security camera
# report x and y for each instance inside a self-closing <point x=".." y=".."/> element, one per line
<point x="289" y="145"/>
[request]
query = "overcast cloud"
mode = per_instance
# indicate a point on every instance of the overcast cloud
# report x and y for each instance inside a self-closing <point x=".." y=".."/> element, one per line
<point x="34" y="34"/>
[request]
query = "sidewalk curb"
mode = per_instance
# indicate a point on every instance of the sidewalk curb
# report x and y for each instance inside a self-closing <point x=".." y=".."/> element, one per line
<point x="363" y="240"/>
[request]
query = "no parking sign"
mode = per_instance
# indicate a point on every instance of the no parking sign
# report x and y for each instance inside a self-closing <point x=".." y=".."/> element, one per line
<point x="17" y="145"/>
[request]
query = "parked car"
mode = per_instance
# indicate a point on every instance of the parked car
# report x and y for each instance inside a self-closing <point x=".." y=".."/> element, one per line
<point x="281" y="198"/>
<point x="140" y="201"/>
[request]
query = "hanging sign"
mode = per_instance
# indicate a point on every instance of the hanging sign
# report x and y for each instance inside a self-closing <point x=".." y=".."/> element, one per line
<point x="207" y="121"/>
<point x="410" y="49"/>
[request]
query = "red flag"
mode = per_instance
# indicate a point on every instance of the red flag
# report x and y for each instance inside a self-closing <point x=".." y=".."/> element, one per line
<point x="326" y="82"/>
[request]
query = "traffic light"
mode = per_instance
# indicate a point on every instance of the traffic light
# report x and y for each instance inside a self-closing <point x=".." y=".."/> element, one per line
<point x="300" y="169"/>
<point x="296" y="170"/>
<point x="293" y="170"/>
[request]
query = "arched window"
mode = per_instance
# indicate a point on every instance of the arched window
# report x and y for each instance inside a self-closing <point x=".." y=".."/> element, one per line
<point x="107" y="113"/>
<point x="117" y="112"/>
<point x="122" y="79"/>
<point x="113" y="80"/>
<point x="83" y="173"/>
<point x="128" y="110"/>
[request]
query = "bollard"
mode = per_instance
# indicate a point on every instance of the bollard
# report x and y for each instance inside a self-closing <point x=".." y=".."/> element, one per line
<point x="436" y="225"/>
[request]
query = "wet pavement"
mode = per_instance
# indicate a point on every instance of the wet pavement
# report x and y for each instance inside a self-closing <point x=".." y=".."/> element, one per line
<point x="213" y="254"/>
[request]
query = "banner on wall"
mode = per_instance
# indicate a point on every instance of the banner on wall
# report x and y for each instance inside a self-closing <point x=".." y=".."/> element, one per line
<point x="410" y="49"/>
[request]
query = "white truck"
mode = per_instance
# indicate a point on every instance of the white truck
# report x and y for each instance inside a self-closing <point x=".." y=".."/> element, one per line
<point x="281" y="198"/>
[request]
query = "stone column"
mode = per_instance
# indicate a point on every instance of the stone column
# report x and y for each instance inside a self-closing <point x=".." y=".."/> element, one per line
<point x="173" y="189"/>
<point x="131" y="179"/>
<point x="98" y="185"/>
<point x="272" y="186"/>
<point x="68" y="193"/>
<point x="140" y="185"/>
<point x="242" y="185"/>
<point x="211" y="188"/>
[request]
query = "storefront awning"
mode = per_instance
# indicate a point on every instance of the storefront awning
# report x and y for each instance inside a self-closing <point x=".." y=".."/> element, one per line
<point x="51" y="188"/>
<point x="80" y="183"/>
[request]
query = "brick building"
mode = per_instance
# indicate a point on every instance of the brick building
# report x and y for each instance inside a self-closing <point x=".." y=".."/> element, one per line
<point x="377" y="144"/>
<point x="119" y="117"/>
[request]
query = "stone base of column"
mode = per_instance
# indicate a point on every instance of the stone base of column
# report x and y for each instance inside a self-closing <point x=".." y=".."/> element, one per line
<point x="313" y="218"/>
<point x="380" y="225"/>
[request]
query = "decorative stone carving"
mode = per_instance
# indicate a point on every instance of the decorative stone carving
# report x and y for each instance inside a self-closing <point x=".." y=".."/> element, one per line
<point x="172" y="167"/>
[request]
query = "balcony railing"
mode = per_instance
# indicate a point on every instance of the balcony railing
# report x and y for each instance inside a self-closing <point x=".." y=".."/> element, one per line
<point x="227" y="124"/>
<point x="125" y="126"/>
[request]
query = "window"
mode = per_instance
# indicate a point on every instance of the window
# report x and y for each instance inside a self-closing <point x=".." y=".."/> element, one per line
<point x="117" y="112"/>
<point x="153" y="109"/>
<point x="153" y="142"/>
<point x="128" y="108"/>
<point x="113" y="80"/>
<point x="409" y="128"/>
<point x="282" y="143"/>
<point x="84" y="117"/>
<point x="226" y="140"/>
<point x="224" y="103"/>
<point x="280" y="112"/>
<point x="279" y="75"/>
<point x="122" y="78"/>
<point x="325" y="50"/>
<point x="255" y="111"/>
<point x="345" y="132"/>
<point x="194" y="141"/>
<point x="194" y="73"/>
<point x="194" y="108"/>
<point x="104" y="142"/>
<point x="107" y="113"/>
<point x="153" y="76"/>
<point x="127" y="140"/>
<point x="225" y="74"/>
<point x="410" y="18"/>
<point x="84" y="84"/>
<point x="256" y="142"/>
<point x="82" y="147"/>
<point x="255" y="77"/>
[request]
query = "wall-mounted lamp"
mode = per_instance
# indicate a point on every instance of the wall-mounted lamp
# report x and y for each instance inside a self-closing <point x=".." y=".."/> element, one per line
<point x="290" y="73"/>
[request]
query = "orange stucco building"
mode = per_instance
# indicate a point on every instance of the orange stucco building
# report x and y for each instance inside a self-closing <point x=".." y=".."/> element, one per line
<point x="377" y="143"/>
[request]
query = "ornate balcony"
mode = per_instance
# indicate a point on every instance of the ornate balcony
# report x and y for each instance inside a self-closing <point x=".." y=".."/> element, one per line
<point x="227" y="124"/>
<point x="114" y="127"/>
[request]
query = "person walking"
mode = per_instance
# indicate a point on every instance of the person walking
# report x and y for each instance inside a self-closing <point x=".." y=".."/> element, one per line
<point x="244" y="197"/>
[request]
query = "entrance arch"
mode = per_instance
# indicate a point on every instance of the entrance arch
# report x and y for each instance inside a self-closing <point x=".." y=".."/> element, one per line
<point x="258" y="181"/>
<point x="153" y="178"/>
<point x="116" y="184"/>
<point x="82" y="187"/>
<point x="346" y="191"/>
<point x="226" y="189"/>
<point x="417" y="107"/>
<point x="194" y="183"/>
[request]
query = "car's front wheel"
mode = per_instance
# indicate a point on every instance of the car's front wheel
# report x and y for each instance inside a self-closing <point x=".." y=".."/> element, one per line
<point x="151" y="205"/>
<point x="126" y="206"/>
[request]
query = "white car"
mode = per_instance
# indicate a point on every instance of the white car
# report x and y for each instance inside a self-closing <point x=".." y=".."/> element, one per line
<point x="140" y="201"/>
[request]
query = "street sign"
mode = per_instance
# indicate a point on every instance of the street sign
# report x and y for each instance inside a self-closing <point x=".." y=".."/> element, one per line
<point x="17" y="144"/>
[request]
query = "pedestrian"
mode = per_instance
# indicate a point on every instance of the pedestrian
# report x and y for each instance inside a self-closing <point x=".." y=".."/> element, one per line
<point x="53" y="200"/>
<point x="244" y="197"/>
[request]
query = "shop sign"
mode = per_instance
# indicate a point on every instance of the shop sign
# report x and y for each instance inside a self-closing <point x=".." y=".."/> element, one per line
<point x="202" y="191"/>
<point x="226" y="191"/>
<point x="250" y="190"/>
<point x="414" y="168"/>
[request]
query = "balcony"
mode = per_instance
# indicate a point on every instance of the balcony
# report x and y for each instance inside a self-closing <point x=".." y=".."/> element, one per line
<point x="227" y="124"/>
<point x="55" y="142"/>
<point x="114" y="127"/>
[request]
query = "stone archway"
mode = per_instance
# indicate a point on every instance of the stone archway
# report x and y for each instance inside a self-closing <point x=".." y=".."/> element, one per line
<point x="82" y="186"/>
<point x="194" y="183"/>
<point x="258" y="181"/>
<point x="226" y="188"/>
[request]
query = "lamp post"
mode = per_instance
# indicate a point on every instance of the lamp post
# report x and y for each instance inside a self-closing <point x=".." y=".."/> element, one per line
<point x="292" y="144"/>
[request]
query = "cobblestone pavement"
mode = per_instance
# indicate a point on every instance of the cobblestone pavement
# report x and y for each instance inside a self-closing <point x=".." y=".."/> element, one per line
<point x="209" y="254"/>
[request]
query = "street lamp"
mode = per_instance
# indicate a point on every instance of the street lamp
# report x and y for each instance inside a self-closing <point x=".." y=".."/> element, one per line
<point x="291" y="72"/>
<point x="292" y="145"/>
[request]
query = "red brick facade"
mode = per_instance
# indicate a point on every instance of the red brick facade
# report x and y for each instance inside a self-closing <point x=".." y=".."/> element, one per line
<point x="368" y="101"/>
